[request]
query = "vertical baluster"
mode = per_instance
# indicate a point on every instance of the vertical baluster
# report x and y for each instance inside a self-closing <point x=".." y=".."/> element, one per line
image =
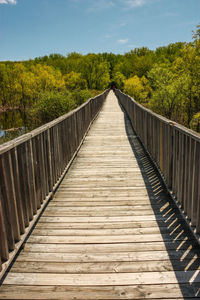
<point x="42" y="167"/>
<point x="186" y="167"/>
<point x="50" y="172"/>
<point x="161" y="147"/>
<point x="8" y="216"/>
<point x="16" y="178"/>
<point x="31" y="176"/>
<point x="190" y="176"/>
<point x="181" y="171"/>
<point x="27" y="180"/>
<point x="195" y="199"/>
<point x="4" y="246"/>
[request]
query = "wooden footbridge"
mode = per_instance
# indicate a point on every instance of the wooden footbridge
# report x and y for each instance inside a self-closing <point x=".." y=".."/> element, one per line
<point x="102" y="211"/>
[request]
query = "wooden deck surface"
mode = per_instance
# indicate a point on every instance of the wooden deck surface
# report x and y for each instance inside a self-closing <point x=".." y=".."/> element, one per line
<point x="111" y="231"/>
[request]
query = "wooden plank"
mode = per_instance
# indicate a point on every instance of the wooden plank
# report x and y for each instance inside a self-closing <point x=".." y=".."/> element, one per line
<point x="51" y="212"/>
<point x="100" y="279"/>
<point x="160" y="291"/>
<point x="115" y="248"/>
<point x="138" y="204"/>
<point x="104" y="267"/>
<point x="100" y="225"/>
<point x="103" y="239"/>
<point x="95" y="232"/>
<point x="103" y="219"/>
<point x="99" y="193"/>
<point x="136" y="198"/>
<point x="106" y="208"/>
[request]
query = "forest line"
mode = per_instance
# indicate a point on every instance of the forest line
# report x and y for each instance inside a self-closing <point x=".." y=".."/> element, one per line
<point x="166" y="80"/>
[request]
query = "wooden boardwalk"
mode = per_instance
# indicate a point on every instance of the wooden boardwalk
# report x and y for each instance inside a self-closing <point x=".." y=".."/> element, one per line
<point x="111" y="231"/>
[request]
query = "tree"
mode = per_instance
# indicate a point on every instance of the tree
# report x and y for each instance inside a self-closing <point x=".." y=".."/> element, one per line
<point x="195" y="122"/>
<point x="4" y="81"/>
<point x="196" y="34"/>
<point x="168" y="91"/>
<point x="188" y="65"/>
<point x="24" y="84"/>
<point x="119" y="79"/>
<point x="47" y="78"/>
<point x="74" y="81"/>
<point x="95" y="71"/>
<point x="138" y="88"/>
<point x="51" y="105"/>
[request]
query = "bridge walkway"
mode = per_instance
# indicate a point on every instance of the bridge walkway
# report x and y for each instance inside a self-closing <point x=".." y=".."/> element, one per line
<point x="111" y="231"/>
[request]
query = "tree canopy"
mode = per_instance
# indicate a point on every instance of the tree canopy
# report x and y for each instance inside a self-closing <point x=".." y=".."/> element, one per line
<point x="166" y="80"/>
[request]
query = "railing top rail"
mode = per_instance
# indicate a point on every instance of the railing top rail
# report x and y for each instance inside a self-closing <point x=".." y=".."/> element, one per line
<point x="27" y="136"/>
<point x="179" y="127"/>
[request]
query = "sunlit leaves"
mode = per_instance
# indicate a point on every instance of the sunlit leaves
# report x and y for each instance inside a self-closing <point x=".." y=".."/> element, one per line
<point x="138" y="88"/>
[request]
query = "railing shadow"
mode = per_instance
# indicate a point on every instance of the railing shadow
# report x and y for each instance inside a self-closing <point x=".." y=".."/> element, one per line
<point x="181" y="246"/>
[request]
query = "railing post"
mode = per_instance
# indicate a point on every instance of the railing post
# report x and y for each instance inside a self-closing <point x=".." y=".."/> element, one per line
<point x="4" y="250"/>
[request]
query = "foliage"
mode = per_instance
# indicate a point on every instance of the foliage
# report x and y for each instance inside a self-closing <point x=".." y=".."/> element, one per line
<point x="195" y="122"/>
<point x="167" y="80"/>
<point x="138" y="88"/>
<point x="74" y="81"/>
<point x="119" y="79"/>
<point x="51" y="105"/>
<point x="80" y="96"/>
<point x="95" y="71"/>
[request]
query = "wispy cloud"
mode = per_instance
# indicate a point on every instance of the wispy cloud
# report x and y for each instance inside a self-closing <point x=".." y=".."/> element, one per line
<point x="8" y="1"/>
<point x="135" y="3"/>
<point x="122" y="41"/>
<point x="100" y="5"/>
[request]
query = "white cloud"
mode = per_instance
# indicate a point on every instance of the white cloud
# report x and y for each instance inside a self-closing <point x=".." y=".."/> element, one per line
<point x="8" y="1"/>
<point x="122" y="41"/>
<point x="135" y="3"/>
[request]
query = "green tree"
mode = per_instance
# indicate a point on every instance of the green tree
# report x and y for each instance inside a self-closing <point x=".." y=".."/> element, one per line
<point x="4" y="83"/>
<point x="188" y="65"/>
<point x="196" y="34"/>
<point x="195" y="122"/>
<point x="24" y="84"/>
<point x="138" y="88"/>
<point x="51" y="105"/>
<point x="47" y="78"/>
<point x="168" y="92"/>
<point x="95" y="71"/>
<point x="119" y="79"/>
<point x="74" y="81"/>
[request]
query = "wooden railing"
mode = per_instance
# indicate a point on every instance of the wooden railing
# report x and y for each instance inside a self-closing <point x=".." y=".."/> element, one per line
<point x="32" y="166"/>
<point x="175" y="151"/>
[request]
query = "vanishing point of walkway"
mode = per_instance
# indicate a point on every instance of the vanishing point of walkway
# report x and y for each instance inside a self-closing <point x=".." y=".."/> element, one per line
<point x="111" y="231"/>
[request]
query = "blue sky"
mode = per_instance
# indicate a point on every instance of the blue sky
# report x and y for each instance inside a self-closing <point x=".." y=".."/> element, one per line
<point x="32" y="28"/>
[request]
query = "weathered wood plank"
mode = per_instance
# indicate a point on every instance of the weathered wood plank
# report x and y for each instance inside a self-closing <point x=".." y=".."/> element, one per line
<point x="95" y="232"/>
<point x="96" y="225"/>
<point x="104" y="219"/>
<point x="159" y="291"/>
<point x="101" y="279"/>
<point x="103" y="239"/>
<point x="149" y="248"/>
<point x="104" y="267"/>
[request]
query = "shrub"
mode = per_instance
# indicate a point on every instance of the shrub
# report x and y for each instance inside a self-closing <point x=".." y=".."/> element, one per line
<point x="51" y="105"/>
